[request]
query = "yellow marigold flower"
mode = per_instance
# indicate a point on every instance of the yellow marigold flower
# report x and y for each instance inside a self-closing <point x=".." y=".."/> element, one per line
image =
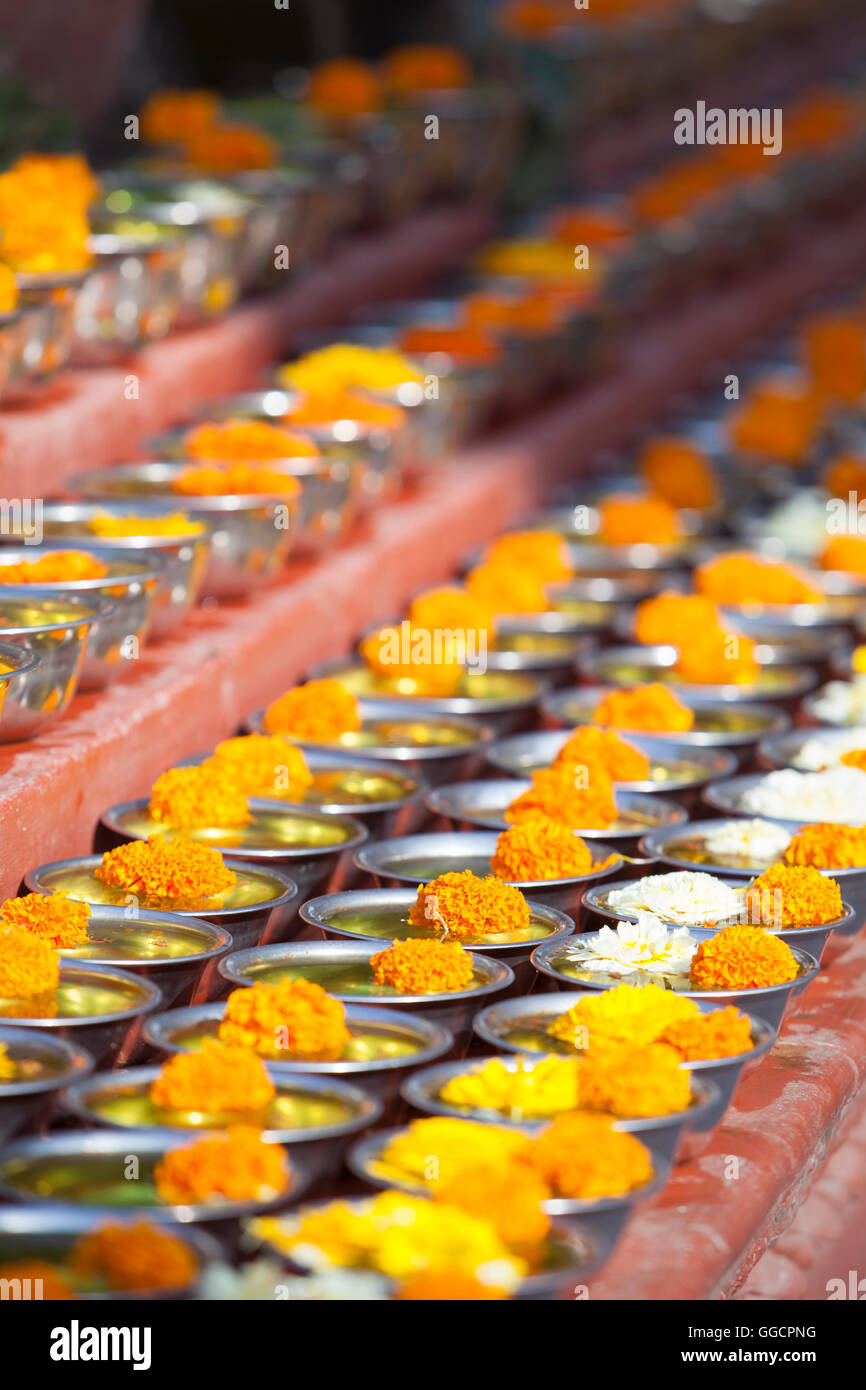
<point x="588" y="744"/>
<point x="538" y="848"/>
<point x="8" y="1068"/>
<point x="236" y="479"/>
<point x="328" y="406"/>
<point x="57" y="567"/>
<point x="508" y="1194"/>
<point x="176" y="868"/>
<point x="828" y="846"/>
<point x="250" y="440"/>
<point x="219" y="1077"/>
<point x="435" y="1149"/>
<point x="741" y="577"/>
<point x="462" y="904"/>
<point x="844" y="553"/>
<point x="787" y="895"/>
<point x="55" y="918"/>
<point x="582" y="1156"/>
<point x="237" y="1166"/>
<point x="320" y="711"/>
<point x="8" y="290"/>
<point x="581" y="798"/>
<point x="187" y="797"/>
<point x="29" y="965"/>
<point x="622" y="1079"/>
<point x="448" y="608"/>
<point x="341" y="366"/>
<point x="651" y="708"/>
<point x="671" y="615"/>
<point x="504" y="589"/>
<point x="175" y="524"/>
<point x="626" y="1013"/>
<point x="134" y="1255"/>
<point x="718" y="1033"/>
<point x="742" y="957"/>
<point x="433" y="660"/>
<point x="544" y="554"/>
<point x="263" y="765"/>
<point x="627" y="520"/>
<point x="716" y="657"/>
<point x="294" y="1016"/>
<point x="531" y="1089"/>
<point x="423" y="966"/>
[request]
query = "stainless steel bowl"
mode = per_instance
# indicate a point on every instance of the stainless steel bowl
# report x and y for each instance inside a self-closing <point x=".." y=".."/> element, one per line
<point x="29" y="1102"/>
<point x="48" y="306"/>
<point x="131" y="296"/>
<point x="673" y="767"/>
<point x="641" y="664"/>
<point x="20" y="669"/>
<point x="109" y="1037"/>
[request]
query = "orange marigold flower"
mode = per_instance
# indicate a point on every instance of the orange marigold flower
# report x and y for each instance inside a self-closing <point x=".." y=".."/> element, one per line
<point x="292" y="1016"/>
<point x="719" y="1033"/>
<point x="196" y="796"/>
<point x="537" y="848"/>
<point x="776" y="424"/>
<point x="29" y="965"/>
<point x="510" y="1195"/>
<point x="422" y="965"/>
<point x="420" y="67"/>
<point x="8" y="290"/>
<point x="319" y="711"/>
<point x="742" y="957"/>
<point x="175" y="868"/>
<point x="588" y="744"/>
<point x="669" y="614"/>
<point x="581" y="1155"/>
<point x="679" y="472"/>
<point x="432" y="660"/>
<point x="134" y="1255"/>
<point x="461" y="342"/>
<point x="239" y="479"/>
<point x="229" y="148"/>
<point x="219" y="1077"/>
<point x="263" y="765"/>
<point x="238" y="1166"/>
<point x="324" y="407"/>
<point x="448" y="608"/>
<point x="451" y="1285"/>
<point x="844" y="553"/>
<point x="834" y="347"/>
<point x="543" y="553"/>
<point x="788" y="895"/>
<point x="581" y="798"/>
<point x="828" y="846"/>
<point x="507" y="589"/>
<point x="716" y="657"/>
<point x="845" y="474"/>
<point x="627" y="520"/>
<point x="651" y="708"/>
<point x="344" y="87"/>
<point x="246" y="440"/>
<point x="741" y="577"/>
<point x="464" y="905"/>
<point x="171" y="116"/>
<point x="42" y="1276"/>
<point x="57" y="567"/>
<point x="625" y="1080"/>
<point x="54" y="917"/>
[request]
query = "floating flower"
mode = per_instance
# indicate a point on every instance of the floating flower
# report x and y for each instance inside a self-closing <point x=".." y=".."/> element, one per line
<point x="237" y="1166"/>
<point x="510" y="1195"/>
<point x="344" y="87"/>
<point x="794" y="895"/>
<point x="543" y="553"/>
<point x="250" y="440"/>
<point x="540" y="848"/>
<point x="53" y="917"/>
<point x="588" y="744"/>
<point x="29" y="965"/>
<point x="844" y="553"/>
<point x="432" y="661"/>
<point x="580" y="798"/>
<point x="134" y="1255"/>
<point x="56" y="567"/>
<point x="645" y="945"/>
<point x="685" y="897"/>
<point x="740" y="577"/>
<point x="651" y="708"/>
<point x="175" y="868"/>
<point x="449" y="607"/>
<point x="440" y="1148"/>
<point x="8" y="290"/>
<point x="175" y="524"/>
<point x="8" y="1068"/>
<point x="461" y="342"/>
<point x="423" y="966"/>
<point x="320" y="711"/>
<point x="425" y="67"/>
<point x="230" y="148"/>
<point x="707" y="1036"/>
<point x="670" y="614"/>
<point x="828" y="846"/>
<point x="461" y="904"/>
<point x="527" y="1088"/>
<point x="716" y="657"/>
<point x="845" y="474"/>
<point x="172" y="115"/>
<point x="220" y="1077"/>
<point x="328" y="406"/>
<point x="502" y="589"/>
<point x="187" y="797"/>
<point x="834" y="347"/>
<point x="626" y="1013"/>
<point x="742" y="957"/>
<point x="293" y="1016"/>
<point x="777" y="424"/>
<point x="628" y="520"/>
<point x="341" y="366"/>
<point x="630" y="1081"/>
<point x="262" y="765"/>
<point x="236" y="480"/>
<point x="582" y="1156"/>
<point x="679" y="472"/>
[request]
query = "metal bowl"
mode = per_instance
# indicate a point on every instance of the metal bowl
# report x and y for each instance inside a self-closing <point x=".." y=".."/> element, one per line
<point x="416" y="859"/>
<point x="48" y="303"/>
<point x="466" y="805"/>
<point x="118" y="633"/>
<point x="727" y="797"/>
<point x="434" y="747"/>
<point x="550" y="655"/>
<point x="29" y="1102"/>
<point x="308" y="844"/>
<point x="258" y="908"/>
<point x="48" y="1234"/>
<point x="379" y="1077"/>
<point x="131" y="296"/>
<point x="815" y="706"/>
<point x="179" y="954"/>
<point x="184" y="557"/>
<point x="673" y="767"/>
<point x="325" y="962"/>
<point x="767" y="1003"/>
<point x="251" y="536"/>
<point x="19" y="668"/>
<point x="716" y="725"/>
<point x="640" y="664"/>
<point x="55" y="630"/>
<point x="664" y="1133"/>
<point x="109" y="1034"/>
<point x="327" y="915"/>
<point x="781" y="750"/>
<point x="90" y="1168"/>
<point x="501" y="1024"/>
<point x="776" y="643"/>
